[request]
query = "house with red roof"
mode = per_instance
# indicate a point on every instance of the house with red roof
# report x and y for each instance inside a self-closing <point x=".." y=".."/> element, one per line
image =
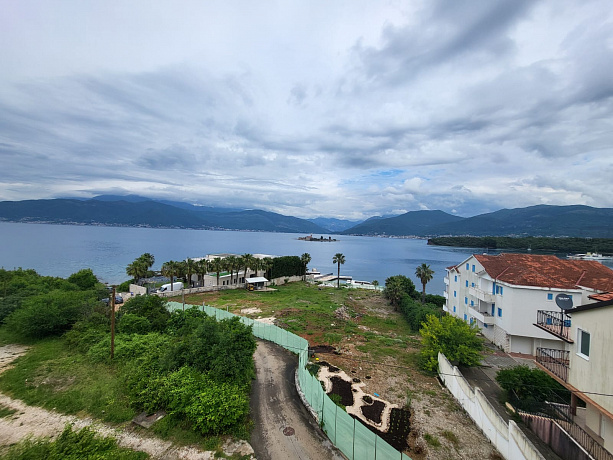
<point x="502" y="294"/>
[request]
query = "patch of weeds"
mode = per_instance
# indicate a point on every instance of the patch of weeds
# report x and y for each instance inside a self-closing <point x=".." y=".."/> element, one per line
<point x="332" y="338"/>
<point x="6" y="411"/>
<point x="337" y="399"/>
<point x="451" y="437"/>
<point x="432" y="440"/>
<point x="313" y="369"/>
<point x="427" y="412"/>
<point x="431" y="393"/>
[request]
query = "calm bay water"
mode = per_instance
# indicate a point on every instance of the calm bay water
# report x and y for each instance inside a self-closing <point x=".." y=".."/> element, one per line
<point x="60" y="250"/>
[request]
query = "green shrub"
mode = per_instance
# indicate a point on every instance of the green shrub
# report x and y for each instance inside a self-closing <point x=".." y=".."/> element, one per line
<point x="151" y="307"/>
<point x="72" y="445"/>
<point x="457" y="340"/>
<point x="133" y="324"/>
<point x="84" y="279"/>
<point x="528" y="388"/>
<point x="50" y="314"/>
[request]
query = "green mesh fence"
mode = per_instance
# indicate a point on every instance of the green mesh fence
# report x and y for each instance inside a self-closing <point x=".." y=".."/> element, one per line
<point x="352" y="438"/>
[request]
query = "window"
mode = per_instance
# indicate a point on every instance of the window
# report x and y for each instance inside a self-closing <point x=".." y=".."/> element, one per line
<point x="465" y="317"/>
<point x="549" y="296"/>
<point x="454" y="308"/>
<point x="471" y="319"/>
<point x="465" y="300"/>
<point x="472" y="284"/>
<point x="455" y="278"/>
<point x="473" y="268"/>
<point x="498" y="289"/>
<point x="466" y="283"/>
<point x="455" y="293"/>
<point x="494" y="288"/>
<point x="583" y="345"/>
<point x="493" y="309"/>
<point x="467" y="267"/>
<point x="500" y="312"/>
<point x="472" y="303"/>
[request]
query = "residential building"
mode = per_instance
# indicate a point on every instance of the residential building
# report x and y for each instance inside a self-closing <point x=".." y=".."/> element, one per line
<point x="584" y="366"/>
<point x="502" y="293"/>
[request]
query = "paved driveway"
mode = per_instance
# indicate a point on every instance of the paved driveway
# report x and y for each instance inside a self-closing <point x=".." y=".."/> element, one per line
<point x="283" y="427"/>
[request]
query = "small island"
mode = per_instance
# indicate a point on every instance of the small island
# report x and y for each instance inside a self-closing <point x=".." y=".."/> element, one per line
<point x="321" y="238"/>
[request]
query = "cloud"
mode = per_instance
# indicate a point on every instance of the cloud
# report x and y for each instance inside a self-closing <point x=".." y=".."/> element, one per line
<point x="339" y="112"/>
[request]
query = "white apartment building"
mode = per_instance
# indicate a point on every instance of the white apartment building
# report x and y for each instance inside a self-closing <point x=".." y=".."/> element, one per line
<point x="585" y="366"/>
<point x="502" y="293"/>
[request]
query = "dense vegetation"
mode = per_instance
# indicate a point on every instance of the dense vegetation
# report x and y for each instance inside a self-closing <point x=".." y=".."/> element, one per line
<point x="196" y="369"/>
<point x="530" y="389"/>
<point x="564" y="245"/>
<point x="72" y="445"/>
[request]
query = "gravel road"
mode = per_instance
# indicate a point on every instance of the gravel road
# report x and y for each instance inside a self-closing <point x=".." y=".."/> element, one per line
<point x="283" y="427"/>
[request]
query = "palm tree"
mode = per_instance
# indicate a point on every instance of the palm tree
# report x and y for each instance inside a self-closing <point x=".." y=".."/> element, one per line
<point x="190" y="267"/>
<point x="338" y="259"/>
<point x="425" y="274"/>
<point x="170" y="269"/>
<point x="231" y="263"/>
<point x="247" y="262"/>
<point x="267" y="264"/>
<point x="305" y="259"/>
<point x="202" y="268"/>
<point x="217" y="266"/>
<point x="148" y="259"/>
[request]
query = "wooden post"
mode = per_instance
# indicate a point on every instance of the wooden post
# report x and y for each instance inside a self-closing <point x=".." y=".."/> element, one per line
<point x="113" y="323"/>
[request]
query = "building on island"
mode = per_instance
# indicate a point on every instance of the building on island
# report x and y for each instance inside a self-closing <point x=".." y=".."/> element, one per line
<point x="502" y="293"/>
<point x="584" y="367"/>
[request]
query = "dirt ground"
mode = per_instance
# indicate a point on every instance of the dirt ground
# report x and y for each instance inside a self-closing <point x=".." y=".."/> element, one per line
<point x="37" y="422"/>
<point x="435" y="413"/>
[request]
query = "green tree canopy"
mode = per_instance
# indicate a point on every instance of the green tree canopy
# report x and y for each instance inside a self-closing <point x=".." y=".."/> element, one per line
<point x="338" y="259"/>
<point x="425" y="274"/>
<point x="396" y="287"/>
<point x="457" y="340"/>
<point x="151" y="307"/>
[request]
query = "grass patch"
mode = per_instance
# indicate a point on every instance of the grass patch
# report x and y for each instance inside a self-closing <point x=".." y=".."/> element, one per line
<point x="6" y="411"/>
<point x="49" y="375"/>
<point x="432" y="440"/>
<point x="451" y="437"/>
<point x="72" y="445"/>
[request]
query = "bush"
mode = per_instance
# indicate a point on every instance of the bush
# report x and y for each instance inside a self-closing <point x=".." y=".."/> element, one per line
<point x="71" y="445"/>
<point x="84" y="279"/>
<point x="133" y="324"/>
<point x="151" y="307"/>
<point x="50" y="314"/>
<point x="457" y="340"/>
<point x="528" y="388"/>
<point x="416" y="313"/>
<point x="125" y="286"/>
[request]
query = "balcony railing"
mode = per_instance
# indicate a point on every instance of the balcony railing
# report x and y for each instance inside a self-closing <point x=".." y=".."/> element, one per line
<point x="554" y="322"/>
<point x="555" y="361"/>
<point x="482" y="316"/>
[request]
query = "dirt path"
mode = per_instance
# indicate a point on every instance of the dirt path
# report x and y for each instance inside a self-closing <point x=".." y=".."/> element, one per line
<point x="37" y="422"/>
<point x="283" y="427"/>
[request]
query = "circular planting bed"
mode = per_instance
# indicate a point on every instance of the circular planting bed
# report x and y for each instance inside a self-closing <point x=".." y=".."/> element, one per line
<point x="342" y="388"/>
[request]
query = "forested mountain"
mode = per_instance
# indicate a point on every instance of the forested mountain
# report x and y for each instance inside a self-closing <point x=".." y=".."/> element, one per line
<point x="135" y="211"/>
<point x="413" y="223"/>
<point x="541" y="220"/>
<point x="149" y="213"/>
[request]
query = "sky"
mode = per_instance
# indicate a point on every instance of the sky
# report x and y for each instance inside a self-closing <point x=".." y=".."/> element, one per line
<point x="310" y="108"/>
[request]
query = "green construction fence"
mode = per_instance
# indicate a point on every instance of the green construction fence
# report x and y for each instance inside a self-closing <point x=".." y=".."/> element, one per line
<point x="351" y="437"/>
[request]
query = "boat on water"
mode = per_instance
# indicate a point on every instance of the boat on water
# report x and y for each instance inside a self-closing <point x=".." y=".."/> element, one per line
<point x="590" y="256"/>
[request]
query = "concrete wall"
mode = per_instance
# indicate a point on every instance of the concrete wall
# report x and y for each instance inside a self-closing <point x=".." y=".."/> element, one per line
<point x="507" y="438"/>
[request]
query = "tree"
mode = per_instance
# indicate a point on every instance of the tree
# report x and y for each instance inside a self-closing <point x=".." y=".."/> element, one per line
<point x="305" y="259"/>
<point x="140" y="267"/>
<point x="190" y="268"/>
<point x="425" y="274"/>
<point x="170" y="269"/>
<point x="231" y="262"/>
<point x="248" y="261"/>
<point x="396" y="287"/>
<point x="451" y="336"/>
<point x="267" y="264"/>
<point x="217" y="266"/>
<point x="338" y="259"/>
<point x="151" y="307"/>
<point x="85" y="279"/>
<point x="202" y="268"/>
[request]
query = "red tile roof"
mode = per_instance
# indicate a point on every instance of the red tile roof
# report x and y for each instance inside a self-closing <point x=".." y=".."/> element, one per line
<point x="547" y="271"/>
<point x="602" y="297"/>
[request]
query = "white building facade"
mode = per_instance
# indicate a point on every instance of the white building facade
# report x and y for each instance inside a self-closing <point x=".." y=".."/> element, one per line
<point x="502" y="293"/>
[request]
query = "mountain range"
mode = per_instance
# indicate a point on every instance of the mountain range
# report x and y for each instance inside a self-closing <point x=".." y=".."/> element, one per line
<point x="136" y="211"/>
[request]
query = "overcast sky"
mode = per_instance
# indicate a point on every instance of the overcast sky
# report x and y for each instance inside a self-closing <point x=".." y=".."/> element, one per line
<point x="310" y="108"/>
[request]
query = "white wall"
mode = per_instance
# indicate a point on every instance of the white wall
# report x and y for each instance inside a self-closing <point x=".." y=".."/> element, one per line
<point x="507" y="438"/>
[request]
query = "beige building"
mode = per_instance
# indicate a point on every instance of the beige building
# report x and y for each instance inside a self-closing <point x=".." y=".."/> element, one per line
<point x="585" y="365"/>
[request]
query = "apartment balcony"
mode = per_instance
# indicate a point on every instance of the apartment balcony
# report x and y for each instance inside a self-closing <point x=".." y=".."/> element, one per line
<point x="482" y="295"/>
<point x="555" y="361"/>
<point x="446" y="280"/>
<point x="554" y="322"/>
<point x="482" y="316"/>
<point x="445" y="294"/>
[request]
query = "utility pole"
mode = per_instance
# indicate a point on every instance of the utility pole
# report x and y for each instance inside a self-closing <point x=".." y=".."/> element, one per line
<point x="113" y="323"/>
